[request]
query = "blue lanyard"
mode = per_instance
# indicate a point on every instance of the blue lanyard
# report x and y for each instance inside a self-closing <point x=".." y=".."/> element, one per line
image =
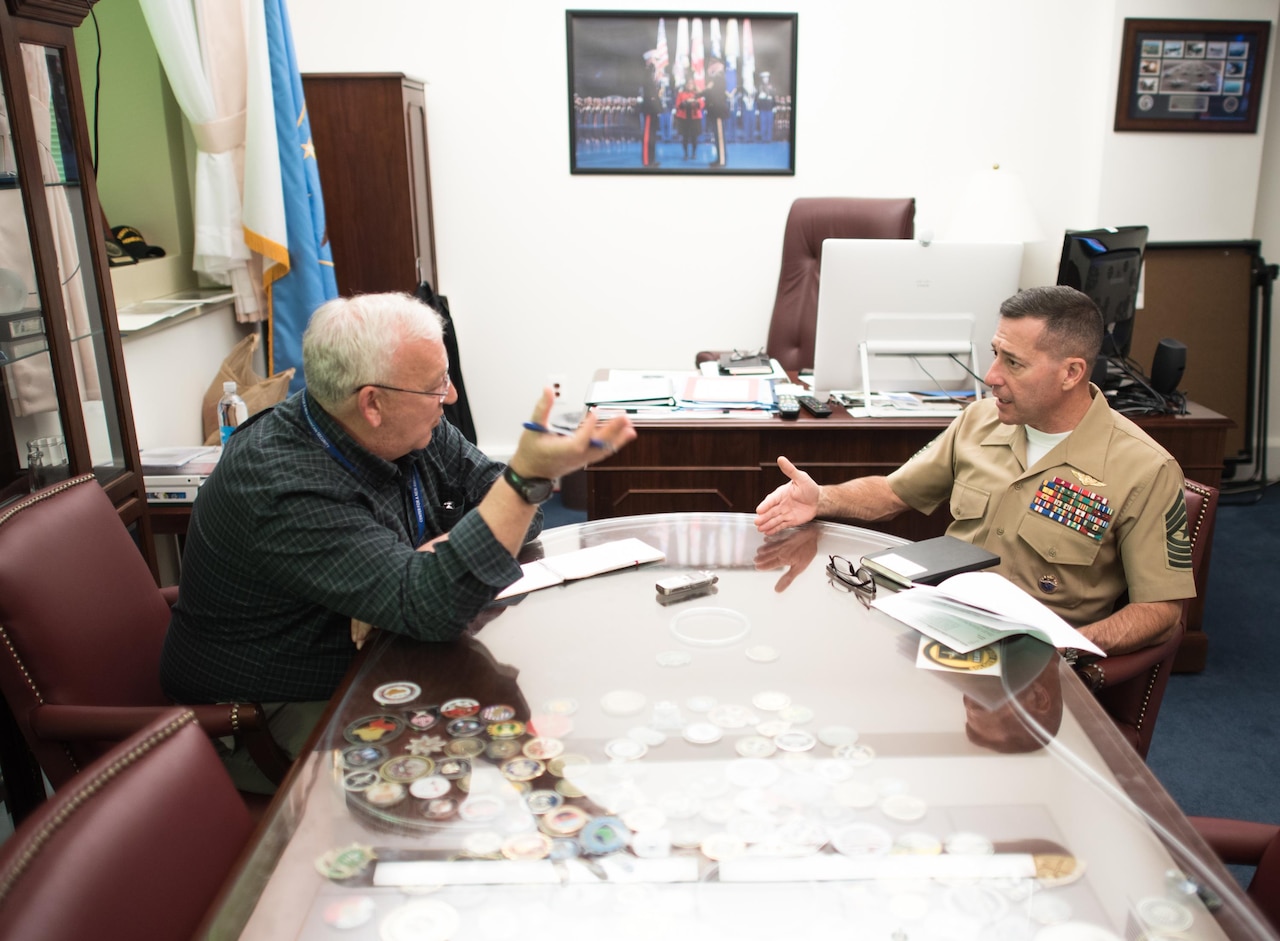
<point x="415" y="482"/>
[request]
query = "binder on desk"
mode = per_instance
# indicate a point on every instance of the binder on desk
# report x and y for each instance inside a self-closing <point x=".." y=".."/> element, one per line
<point x="632" y="393"/>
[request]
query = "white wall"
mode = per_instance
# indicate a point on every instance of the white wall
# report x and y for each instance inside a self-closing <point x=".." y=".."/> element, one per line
<point x="549" y="273"/>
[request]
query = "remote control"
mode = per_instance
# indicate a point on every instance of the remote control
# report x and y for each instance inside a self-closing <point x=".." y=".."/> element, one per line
<point x="788" y="407"/>
<point x="814" y="407"/>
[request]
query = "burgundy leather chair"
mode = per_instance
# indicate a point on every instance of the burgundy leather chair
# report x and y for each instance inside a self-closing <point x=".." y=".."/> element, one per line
<point x="1130" y="687"/>
<point x="82" y="624"/>
<point x="136" y="846"/>
<point x="1245" y="843"/>
<point x="809" y="223"/>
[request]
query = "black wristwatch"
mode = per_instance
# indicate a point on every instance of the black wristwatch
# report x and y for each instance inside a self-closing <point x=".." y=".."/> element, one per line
<point x="532" y="490"/>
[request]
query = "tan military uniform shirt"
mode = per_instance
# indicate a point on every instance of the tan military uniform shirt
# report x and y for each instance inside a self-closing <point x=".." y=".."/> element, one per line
<point x="1108" y="479"/>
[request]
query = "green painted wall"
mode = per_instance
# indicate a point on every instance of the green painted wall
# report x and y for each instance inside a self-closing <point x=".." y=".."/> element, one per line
<point x="142" y="157"/>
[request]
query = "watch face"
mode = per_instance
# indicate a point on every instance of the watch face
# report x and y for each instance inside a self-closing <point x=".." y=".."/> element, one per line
<point x="538" y="490"/>
<point x="533" y="490"/>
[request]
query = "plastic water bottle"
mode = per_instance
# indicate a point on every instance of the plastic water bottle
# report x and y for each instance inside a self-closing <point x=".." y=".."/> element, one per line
<point x="231" y="411"/>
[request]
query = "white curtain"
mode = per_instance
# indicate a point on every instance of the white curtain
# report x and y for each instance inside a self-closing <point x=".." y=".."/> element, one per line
<point x="207" y="48"/>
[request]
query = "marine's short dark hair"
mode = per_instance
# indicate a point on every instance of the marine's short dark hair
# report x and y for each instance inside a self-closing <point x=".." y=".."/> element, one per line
<point x="1073" y="323"/>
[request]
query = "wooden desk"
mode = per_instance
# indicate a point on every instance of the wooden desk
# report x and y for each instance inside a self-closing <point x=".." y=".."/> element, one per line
<point x="590" y="665"/>
<point x="726" y="465"/>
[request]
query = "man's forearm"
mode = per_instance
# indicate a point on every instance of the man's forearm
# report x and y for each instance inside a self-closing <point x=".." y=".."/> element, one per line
<point x="1135" y="626"/>
<point x="863" y="498"/>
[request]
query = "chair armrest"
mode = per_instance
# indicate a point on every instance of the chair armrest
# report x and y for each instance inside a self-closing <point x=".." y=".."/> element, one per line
<point x="110" y="723"/>
<point x="1119" y="668"/>
<point x="1239" y="842"/>
<point x="246" y="721"/>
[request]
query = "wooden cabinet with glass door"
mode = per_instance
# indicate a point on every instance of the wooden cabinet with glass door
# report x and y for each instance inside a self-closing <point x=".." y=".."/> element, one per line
<point x="66" y="403"/>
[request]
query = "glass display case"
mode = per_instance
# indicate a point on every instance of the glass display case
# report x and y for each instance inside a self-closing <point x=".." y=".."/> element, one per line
<point x="67" y="409"/>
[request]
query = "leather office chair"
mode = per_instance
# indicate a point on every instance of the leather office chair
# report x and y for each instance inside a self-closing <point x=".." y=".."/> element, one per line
<point x="137" y="846"/>
<point x="810" y="221"/>
<point x="1130" y="687"/>
<point x="1245" y="843"/>
<point x="82" y="624"/>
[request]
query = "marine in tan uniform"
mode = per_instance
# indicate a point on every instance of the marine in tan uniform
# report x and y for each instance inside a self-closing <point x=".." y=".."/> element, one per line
<point x="1099" y="512"/>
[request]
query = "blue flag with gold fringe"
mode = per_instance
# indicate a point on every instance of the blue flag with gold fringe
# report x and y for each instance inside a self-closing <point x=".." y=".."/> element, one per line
<point x="307" y="280"/>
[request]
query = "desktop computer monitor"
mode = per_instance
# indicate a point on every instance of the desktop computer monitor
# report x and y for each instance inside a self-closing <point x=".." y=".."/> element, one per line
<point x="905" y="297"/>
<point x="1106" y="264"/>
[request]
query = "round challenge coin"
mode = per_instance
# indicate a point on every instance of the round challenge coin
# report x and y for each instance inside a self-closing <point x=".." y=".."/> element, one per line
<point x="346" y="862"/>
<point x="702" y="733"/>
<point x="433" y="785"/>
<point x="862" y="839"/>
<point x="421" y="920"/>
<point x="363" y="756"/>
<point x="508" y="728"/>
<point x="903" y="807"/>
<point x="465" y="727"/>
<point x="603" y="835"/>
<point x="564" y="821"/>
<point x="385" y="794"/>
<point x="543" y="749"/>
<point x="350" y="912"/>
<point x="464" y="748"/>
<point x="459" y="708"/>
<point x="392" y="694"/>
<point x="407" y="768"/>
<point x="1164" y="914"/>
<point x="373" y="729"/>
<point x="497" y="713"/>
<point x="361" y="780"/>
<point x="623" y="702"/>
<point x="523" y="769"/>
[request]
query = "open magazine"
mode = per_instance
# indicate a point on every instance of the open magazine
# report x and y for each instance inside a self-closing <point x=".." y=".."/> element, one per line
<point x="974" y="609"/>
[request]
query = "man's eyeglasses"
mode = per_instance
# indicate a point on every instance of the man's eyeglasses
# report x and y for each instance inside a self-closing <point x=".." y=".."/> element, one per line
<point x="852" y="576"/>
<point x="441" y="393"/>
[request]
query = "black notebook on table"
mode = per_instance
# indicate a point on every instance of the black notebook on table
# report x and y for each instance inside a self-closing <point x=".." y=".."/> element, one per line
<point x="929" y="561"/>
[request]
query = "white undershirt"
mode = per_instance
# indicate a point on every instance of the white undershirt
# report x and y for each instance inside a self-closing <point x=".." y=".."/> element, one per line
<point x="1039" y="444"/>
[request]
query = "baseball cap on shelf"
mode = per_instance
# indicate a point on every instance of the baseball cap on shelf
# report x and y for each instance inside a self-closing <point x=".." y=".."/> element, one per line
<point x="132" y="243"/>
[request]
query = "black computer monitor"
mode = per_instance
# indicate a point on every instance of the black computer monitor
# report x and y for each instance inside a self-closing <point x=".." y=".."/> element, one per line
<point x="1106" y="264"/>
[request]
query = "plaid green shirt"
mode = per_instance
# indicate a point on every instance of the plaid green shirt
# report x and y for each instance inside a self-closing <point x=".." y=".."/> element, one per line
<point x="286" y="545"/>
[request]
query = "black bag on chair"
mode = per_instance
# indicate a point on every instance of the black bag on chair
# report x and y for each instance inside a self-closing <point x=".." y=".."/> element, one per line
<point x="458" y="413"/>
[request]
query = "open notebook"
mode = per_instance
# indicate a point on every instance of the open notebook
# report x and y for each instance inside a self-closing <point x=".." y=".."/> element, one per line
<point x="583" y="563"/>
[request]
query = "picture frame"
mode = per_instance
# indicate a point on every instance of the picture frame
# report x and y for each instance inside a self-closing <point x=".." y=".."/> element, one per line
<point x="1204" y="76"/>
<point x="690" y="93"/>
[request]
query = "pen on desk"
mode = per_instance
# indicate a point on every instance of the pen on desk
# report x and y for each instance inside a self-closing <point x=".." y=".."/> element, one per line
<point x="544" y="430"/>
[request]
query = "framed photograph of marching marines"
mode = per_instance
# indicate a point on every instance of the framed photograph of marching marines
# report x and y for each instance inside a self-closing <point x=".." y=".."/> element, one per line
<point x="1192" y="75"/>
<point x="681" y="92"/>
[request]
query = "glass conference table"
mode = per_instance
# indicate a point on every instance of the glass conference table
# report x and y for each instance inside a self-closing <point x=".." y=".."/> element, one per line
<point x="766" y="759"/>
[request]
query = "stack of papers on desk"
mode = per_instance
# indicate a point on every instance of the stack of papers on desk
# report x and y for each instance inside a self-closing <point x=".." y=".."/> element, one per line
<point x="727" y="392"/>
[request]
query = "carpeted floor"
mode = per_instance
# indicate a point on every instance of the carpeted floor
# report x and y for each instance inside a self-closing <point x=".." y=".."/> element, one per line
<point x="1217" y="740"/>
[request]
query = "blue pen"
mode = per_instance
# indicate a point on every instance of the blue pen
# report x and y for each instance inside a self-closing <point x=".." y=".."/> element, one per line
<point x="544" y="430"/>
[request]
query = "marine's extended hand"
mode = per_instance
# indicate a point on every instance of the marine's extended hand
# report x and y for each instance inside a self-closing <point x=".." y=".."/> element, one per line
<point x="793" y="503"/>
<point x="793" y="551"/>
